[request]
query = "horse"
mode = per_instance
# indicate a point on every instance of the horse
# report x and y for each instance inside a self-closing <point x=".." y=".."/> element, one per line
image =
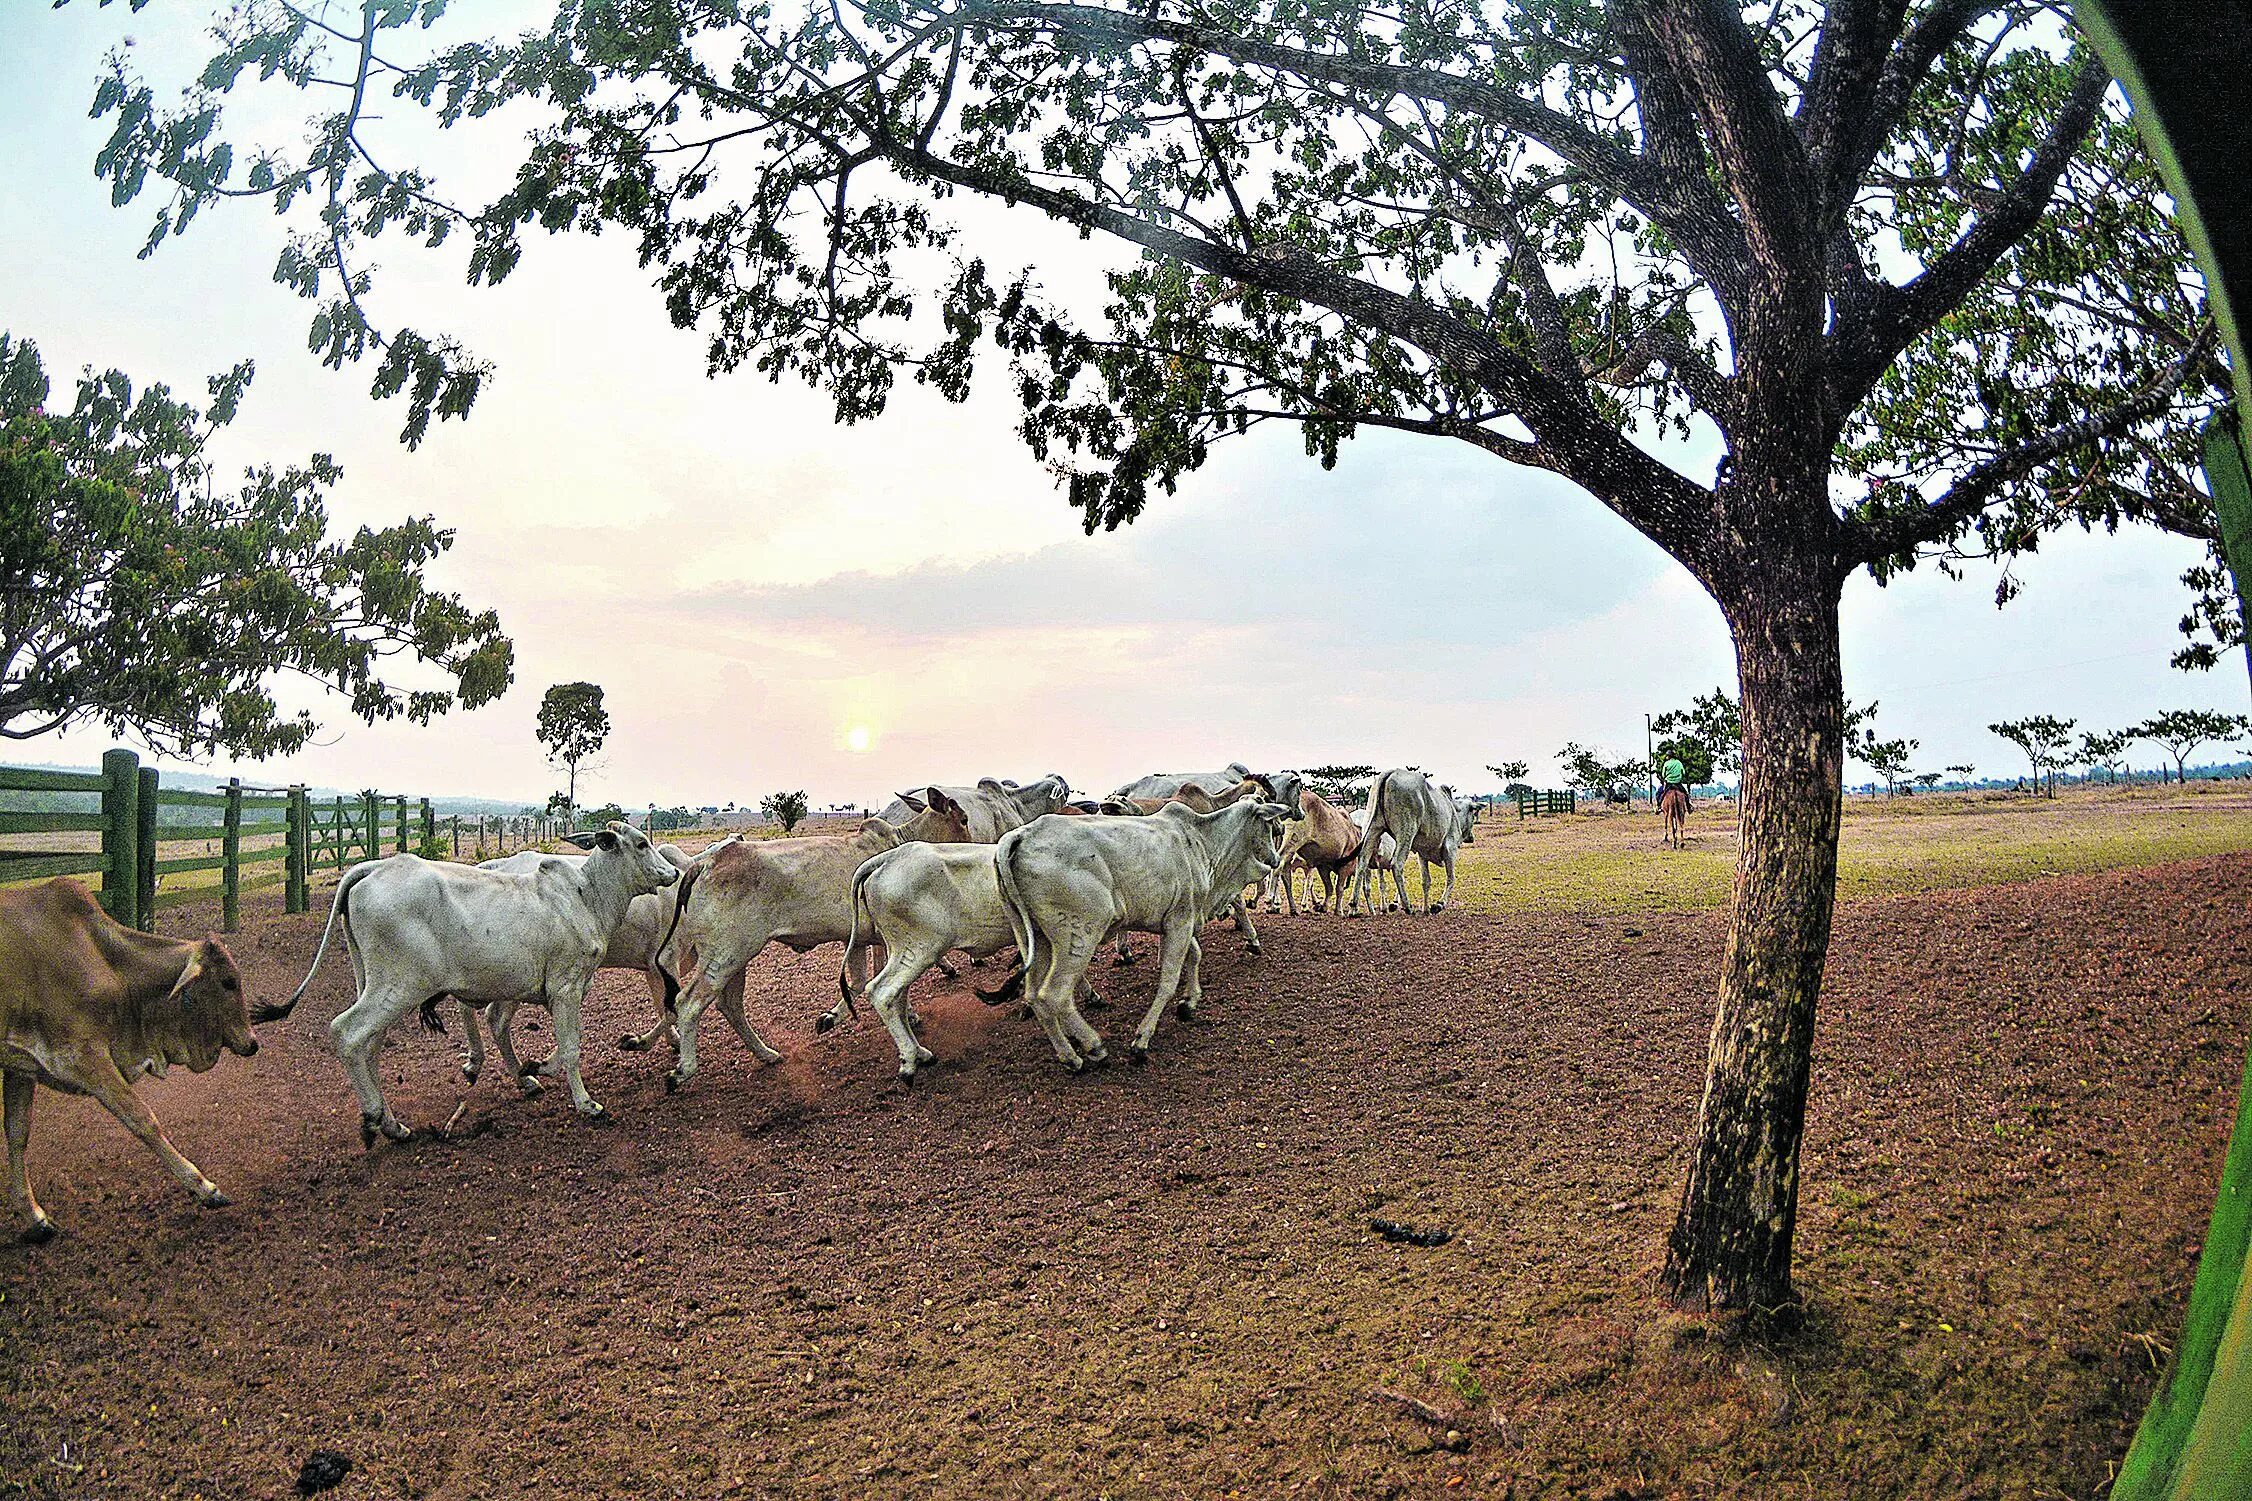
<point x="1673" y="807"/>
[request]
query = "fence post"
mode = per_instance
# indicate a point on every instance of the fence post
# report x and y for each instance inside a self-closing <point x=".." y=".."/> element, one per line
<point x="429" y="826"/>
<point x="145" y="902"/>
<point x="371" y="809"/>
<point x="294" y="893"/>
<point x="230" y="850"/>
<point x="455" y="823"/>
<point x="121" y="866"/>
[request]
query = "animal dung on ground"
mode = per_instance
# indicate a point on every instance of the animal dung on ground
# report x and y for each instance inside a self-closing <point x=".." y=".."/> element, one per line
<point x="1409" y="1235"/>
<point x="323" y="1469"/>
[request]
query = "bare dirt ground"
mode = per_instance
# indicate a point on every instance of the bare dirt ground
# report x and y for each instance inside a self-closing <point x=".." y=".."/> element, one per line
<point x="806" y="1280"/>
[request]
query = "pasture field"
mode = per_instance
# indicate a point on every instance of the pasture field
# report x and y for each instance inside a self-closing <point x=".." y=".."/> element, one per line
<point x="808" y="1281"/>
<point x="1611" y="862"/>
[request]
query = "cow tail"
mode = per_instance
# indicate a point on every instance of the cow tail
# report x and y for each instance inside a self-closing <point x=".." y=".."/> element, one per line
<point x="1021" y="926"/>
<point x="859" y="904"/>
<point x="1373" y="835"/>
<point x="687" y="885"/>
<point x="337" y="907"/>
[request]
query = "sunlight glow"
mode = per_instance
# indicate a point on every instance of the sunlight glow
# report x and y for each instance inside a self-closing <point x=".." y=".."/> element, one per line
<point x="859" y="738"/>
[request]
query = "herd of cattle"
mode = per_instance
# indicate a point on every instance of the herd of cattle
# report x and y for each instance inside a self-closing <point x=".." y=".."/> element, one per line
<point x="87" y="1005"/>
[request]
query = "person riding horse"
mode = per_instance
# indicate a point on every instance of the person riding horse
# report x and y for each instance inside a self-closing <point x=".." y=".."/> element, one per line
<point x="1673" y="802"/>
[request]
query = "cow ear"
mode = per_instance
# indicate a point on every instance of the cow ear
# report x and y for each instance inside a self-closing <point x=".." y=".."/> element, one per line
<point x="944" y="805"/>
<point x="607" y="839"/>
<point x="583" y="841"/>
<point x="988" y="784"/>
<point x="913" y="800"/>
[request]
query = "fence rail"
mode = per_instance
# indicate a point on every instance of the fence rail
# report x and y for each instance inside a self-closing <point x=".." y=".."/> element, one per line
<point x="136" y="833"/>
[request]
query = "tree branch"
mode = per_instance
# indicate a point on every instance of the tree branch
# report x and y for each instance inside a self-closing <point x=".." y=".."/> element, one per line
<point x="1870" y="540"/>
<point x="1895" y="316"/>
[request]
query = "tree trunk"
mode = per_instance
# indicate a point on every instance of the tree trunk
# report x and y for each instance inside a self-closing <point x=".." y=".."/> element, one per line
<point x="1731" y="1244"/>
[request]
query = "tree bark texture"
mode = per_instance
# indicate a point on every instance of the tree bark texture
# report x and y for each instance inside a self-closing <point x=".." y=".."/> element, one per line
<point x="1731" y="1242"/>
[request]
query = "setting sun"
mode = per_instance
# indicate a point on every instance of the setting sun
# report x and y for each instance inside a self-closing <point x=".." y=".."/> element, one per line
<point x="859" y="738"/>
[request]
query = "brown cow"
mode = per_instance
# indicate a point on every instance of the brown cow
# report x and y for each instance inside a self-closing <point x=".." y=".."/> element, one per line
<point x="1324" y="841"/>
<point x="88" y="1005"/>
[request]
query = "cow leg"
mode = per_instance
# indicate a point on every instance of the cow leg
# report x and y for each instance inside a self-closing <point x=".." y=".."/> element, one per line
<point x="564" y="1005"/>
<point x="1123" y="954"/>
<point x="719" y="968"/>
<point x="888" y="995"/>
<point x="946" y="968"/>
<point x="358" y="1031"/>
<point x="526" y="1075"/>
<point x="1426" y="864"/>
<point x="37" y="1228"/>
<point x="731" y="1007"/>
<point x="1243" y="925"/>
<point x="97" y="1074"/>
<point x="1173" y="952"/>
<point x="474" y="1064"/>
<point x="1065" y="959"/>
<point x="642" y="1042"/>
<point x="1448" y="894"/>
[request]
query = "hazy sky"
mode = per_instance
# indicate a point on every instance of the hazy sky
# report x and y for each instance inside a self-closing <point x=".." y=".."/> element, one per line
<point x="751" y="584"/>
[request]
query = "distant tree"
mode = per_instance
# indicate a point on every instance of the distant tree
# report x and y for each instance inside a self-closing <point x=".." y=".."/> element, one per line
<point x="785" y="808"/>
<point x="604" y="816"/>
<point x="1586" y="772"/>
<point x="1715" y="722"/>
<point x="1888" y="758"/>
<point x="1962" y="771"/>
<point x="1346" y="786"/>
<point x="1927" y="779"/>
<point x="2103" y="749"/>
<point x="573" y="725"/>
<point x="2044" y="738"/>
<point x="2182" y="731"/>
<point x="1694" y="754"/>
<point x="138" y="594"/>
<point x="558" y="805"/>
<point x="1511" y="771"/>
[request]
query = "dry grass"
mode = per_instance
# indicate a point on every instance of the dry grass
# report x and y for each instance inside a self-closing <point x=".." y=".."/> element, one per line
<point x="1614" y="862"/>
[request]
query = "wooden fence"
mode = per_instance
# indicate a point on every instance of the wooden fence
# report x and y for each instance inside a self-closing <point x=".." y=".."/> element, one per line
<point x="123" y="826"/>
<point x="1539" y="803"/>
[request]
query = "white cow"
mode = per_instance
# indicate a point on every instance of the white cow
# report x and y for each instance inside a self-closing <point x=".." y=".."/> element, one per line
<point x="417" y="928"/>
<point x="922" y="901"/>
<point x="1424" y="821"/>
<point x="1388" y="863"/>
<point x="1072" y="884"/>
<point x="990" y="809"/>
<point x="635" y="945"/>
<point x="1166" y="783"/>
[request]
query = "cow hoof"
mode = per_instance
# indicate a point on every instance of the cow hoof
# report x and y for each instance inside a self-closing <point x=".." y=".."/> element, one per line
<point x="1438" y="906"/>
<point x="213" y="1200"/>
<point x="469" y="1072"/>
<point x="632" y="1044"/>
<point x="1095" y="1002"/>
<point x="825" y="1022"/>
<point x="674" y="1079"/>
<point x="395" y="1131"/>
<point x="907" y="1077"/>
<point x="1100" y="1057"/>
<point x="39" y="1232"/>
<point x="1137" y="1055"/>
<point x="914" y="1021"/>
<point x="924" y="1055"/>
<point x="1253" y="948"/>
<point x="531" y="1084"/>
<point x="1076" y="1065"/>
<point x="1120" y="961"/>
<point x="369" y="1125"/>
<point x="1186" y="1011"/>
<point x="593" y="1114"/>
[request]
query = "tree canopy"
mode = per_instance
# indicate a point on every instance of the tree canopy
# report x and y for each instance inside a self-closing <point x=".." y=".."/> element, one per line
<point x="573" y="725"/>
<point x="786" y="808"/>
<point x="2182" y="731"/>
<point x="138" y="593"/>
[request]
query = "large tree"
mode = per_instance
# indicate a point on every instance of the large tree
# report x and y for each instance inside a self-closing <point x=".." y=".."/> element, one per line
<point x="1865" y="248"/>
<point x="139" y="593"/>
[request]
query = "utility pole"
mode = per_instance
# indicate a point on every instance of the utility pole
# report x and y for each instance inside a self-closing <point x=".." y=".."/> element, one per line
<point x="1650" y="754"/>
